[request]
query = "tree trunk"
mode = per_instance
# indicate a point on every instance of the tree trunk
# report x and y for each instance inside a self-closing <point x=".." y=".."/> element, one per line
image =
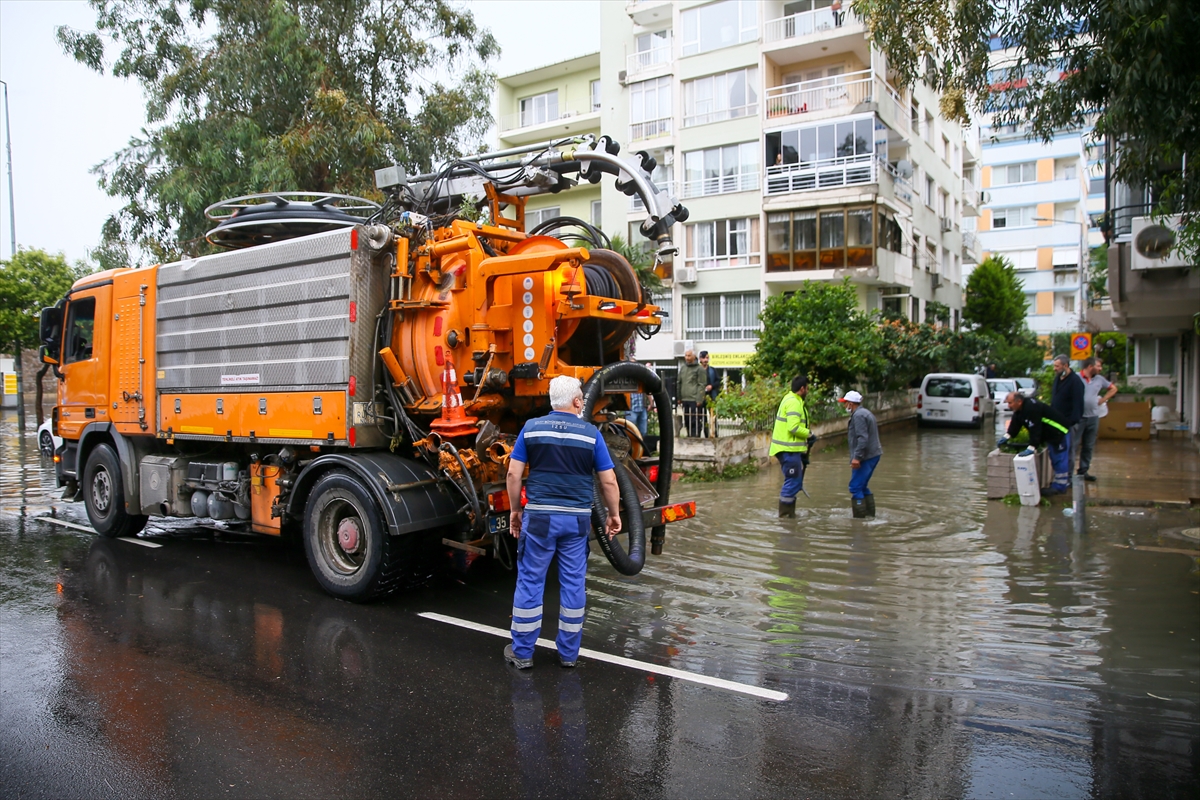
<point x="41" y="415"/>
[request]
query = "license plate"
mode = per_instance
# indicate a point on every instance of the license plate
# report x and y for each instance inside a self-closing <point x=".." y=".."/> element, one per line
<point x="497" y="523"/>
<point x="937" y="413"/>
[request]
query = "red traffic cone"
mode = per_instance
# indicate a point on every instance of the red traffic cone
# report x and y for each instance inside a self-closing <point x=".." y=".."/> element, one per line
<point x="454" y="421"/>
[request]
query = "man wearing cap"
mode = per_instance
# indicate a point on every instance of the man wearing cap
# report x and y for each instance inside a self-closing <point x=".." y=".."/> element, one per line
<point x="865" y="450"/>
<point x="789" y="443"/>
<point x="711" y="388"/>
<point x="692" y="378"/>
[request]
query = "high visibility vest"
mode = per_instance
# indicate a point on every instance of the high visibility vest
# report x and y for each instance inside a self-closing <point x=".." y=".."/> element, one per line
<point x="1053" y="424"/>
<point x="790" y="434"/>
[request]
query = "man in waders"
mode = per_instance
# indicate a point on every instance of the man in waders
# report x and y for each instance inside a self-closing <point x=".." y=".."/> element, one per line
<point x="789" y="443"/>
<point x="865" y="451"/>
<point x="562" y="452"/>
<point x="1044" y="425"/>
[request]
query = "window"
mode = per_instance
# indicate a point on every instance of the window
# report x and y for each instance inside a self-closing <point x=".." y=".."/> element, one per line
<point x="1066" y="303"/>
<point x="1020" y="217"/>
<point x="716" y="317"/>
<point x="596" y="213"/>
<point x="653" y="48"/>
<point x="723" y="243"/>
<point x="930" y="191"/>
<point x="927" y="131"/>
<point x="718" y="97"/>
<point x="1096" y="185"/>
<point x="931" y="257"/>
<point x="915" y="116"/>
<point x="852" y="139"/>
<point x="1013" y="174"/>
<point x="595" y="95"/>
<point x="802" y="240"/>
<point x="943" y="201"/>
<point x="650" y="108"/>
<point x="948" y="387"/>
<point x="663" y="177"/>
<point x="732" y="168"/>
<point x="1154" y="356"/>
<point x="539" y="109"/>
<point x="718" y="25"/>
<point x="945" y="149"/>
<point x="81" y="319"/>
<point x="536" y="216"/>
<point x="1021" y="259"/>
<point x="663" y="301"/>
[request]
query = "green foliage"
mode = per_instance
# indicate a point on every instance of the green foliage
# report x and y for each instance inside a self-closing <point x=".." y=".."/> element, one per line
<point x="1018" y="354"/>
<point x="1060" y="343"/>
<point x="755" y="405"/>
<point x="911" y="351"/>
<point x="30" y="281"/>
<point x="712" y="474"/>
<point x="1126" y="66"/>
<point x="820" y="331"/>
<point x="1112" y="358"/>
<point x="1138" y="389"/>
<point x="995" y="301"/>
<point x="1097" y="277"/>
<point x="642" y="261"/>
<point x="308" y="95"/>
<point x="1045" y="382"/>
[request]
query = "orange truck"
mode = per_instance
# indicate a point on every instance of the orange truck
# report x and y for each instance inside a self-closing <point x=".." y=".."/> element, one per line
<point x="356" y="373"/>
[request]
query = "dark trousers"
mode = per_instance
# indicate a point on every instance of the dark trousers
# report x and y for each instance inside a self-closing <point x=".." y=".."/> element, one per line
<point x="693" y="417"/>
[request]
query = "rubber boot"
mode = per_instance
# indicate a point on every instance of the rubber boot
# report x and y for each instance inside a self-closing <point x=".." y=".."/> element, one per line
<point x="787" y="509"/>
<point x="858" y="506"/>
<point x="870" y="503"/>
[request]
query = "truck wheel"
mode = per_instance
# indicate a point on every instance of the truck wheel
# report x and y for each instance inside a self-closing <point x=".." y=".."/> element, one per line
<point x="104" y="495"/>
<point x="346" y="541"/>
<point x="46" y="443"/>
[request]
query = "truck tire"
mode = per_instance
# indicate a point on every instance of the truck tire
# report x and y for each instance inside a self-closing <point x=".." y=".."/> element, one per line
<point x="104" y="495"/>
<point x="347" y="543"/>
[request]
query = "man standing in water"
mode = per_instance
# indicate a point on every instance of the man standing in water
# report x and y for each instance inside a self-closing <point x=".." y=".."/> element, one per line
<point x="865" y="450"/>
<point x="562" y="452"/>
<point x="789" y="443"/>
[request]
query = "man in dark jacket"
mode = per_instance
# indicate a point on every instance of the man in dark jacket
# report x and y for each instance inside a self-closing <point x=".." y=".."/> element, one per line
<point x="1066" y="397"/>
<point x="865" y="450"/>
<point x="711" y="389"/>
<point x="692" y="379"/>
<point x="1045" y="426"/>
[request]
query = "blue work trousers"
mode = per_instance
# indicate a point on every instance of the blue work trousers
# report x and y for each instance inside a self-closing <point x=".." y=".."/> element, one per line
<point x="792" y="465"/>
<point x="543" y="535"/>
<point x="1060" y="462"/>
<point x="860" y="475"/>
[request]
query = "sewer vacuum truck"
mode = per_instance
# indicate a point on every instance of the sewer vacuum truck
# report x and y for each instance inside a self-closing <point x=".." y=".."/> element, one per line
<point x="356" y="373"/>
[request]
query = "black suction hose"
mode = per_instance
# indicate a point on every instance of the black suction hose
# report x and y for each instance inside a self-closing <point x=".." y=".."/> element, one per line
<point x="593" y="390"/>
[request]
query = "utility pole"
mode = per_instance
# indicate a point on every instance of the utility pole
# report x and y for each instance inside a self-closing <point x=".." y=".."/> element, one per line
<point x="12" y="230"/>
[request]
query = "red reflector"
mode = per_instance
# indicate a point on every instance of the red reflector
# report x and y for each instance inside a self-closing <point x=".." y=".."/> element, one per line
<point x="498" y="501"/>
<point x="353" y="385"/>
<point x="354" y="238"/>
<point x="645" y="312"/>
<point x="353" y="438"/>
<point x="353" y="311"/>
<point x="437" y="326"/>
<point x="652" y="473"/>
<point x="438" y="356"/>
<point x="524" y="499"/>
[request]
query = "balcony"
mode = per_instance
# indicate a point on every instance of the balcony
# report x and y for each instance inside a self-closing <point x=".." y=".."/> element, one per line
<point x="970" y="248"/>
<point x="970" y="198"/>
<point x="721" y="184"/>
<point x="650" y="129"/>
<point x="647" y="60"/>
<point x="524" y="128"/>
<point x="818" y="22"/>
<point x="723" y="262"/>
<point x="648" y="12"/>
<point x="825" y="174"/>
<point x="835" y="96"/>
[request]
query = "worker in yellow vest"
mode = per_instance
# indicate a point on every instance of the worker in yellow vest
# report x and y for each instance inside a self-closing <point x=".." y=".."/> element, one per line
<point x="789" y="443"/>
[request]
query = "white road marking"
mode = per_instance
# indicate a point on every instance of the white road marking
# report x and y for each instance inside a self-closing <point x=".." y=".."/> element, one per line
<point x="64" y="523"/>
<point x="142" y="542"/>
<point x="595" y="655"/>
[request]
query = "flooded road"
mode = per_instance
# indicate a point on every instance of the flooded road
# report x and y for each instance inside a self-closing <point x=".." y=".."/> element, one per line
<point x="951" y="647"/>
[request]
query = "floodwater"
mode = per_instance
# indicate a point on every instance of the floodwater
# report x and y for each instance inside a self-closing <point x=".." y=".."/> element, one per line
<point x="952" y="647"/>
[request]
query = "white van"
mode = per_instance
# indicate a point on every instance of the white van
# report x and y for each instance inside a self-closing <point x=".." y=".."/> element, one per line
<point x="953" y="399"/>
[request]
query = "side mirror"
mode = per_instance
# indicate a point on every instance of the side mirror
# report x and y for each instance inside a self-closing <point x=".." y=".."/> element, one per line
<point x="51" y="333"/>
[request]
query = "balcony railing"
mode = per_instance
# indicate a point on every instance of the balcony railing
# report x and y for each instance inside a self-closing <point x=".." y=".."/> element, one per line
<point x="512" y="122"/>
<point x="807" y="23"/>
<point x="701" y="117"/>
<point x="716" y="262"/>
<point x="722" y="184"/>
<point x="826" y="174"/>
<point x="650" y="129"/>
<point x="970" y="193"/>
<point x="820" y="94"/>
<point x="635" y="202"/>
<point x="639" y="62"/>
<point x="969" y="242"/>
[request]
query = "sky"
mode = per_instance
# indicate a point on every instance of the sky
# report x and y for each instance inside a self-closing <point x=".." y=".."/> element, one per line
<point x="66" y="119"/>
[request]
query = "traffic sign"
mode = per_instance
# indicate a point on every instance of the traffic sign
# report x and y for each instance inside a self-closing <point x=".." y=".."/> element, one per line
<point x="1081" y="346"/>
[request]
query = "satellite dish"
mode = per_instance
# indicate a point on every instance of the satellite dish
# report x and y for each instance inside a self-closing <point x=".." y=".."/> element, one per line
<point x="1155" y="241"/>
<point x="904" y="168"/>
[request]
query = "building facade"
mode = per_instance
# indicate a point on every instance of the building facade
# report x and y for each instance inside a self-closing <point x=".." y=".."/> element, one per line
<point x="781" y="129"/>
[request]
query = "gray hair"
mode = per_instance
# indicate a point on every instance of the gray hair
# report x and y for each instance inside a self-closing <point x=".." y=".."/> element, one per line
<point x="563" y="391"/>
<point x="1063" y="358"/>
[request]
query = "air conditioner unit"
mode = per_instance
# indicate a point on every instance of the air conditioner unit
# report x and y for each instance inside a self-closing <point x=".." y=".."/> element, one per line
<point x="681" y="346"/>
<point x="1152" y="244"/>
<point x="935" y="280"/>
<point x="686" y="275"/>
<point x="621" y="76"/>
<point x="947" y="224"/>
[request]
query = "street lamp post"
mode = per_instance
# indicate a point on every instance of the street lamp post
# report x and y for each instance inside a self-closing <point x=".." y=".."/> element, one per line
<point x="12" y="229"/>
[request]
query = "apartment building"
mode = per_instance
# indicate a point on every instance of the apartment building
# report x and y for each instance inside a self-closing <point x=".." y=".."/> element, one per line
<point x="1042" y="202"/>
<point x="552" y="102"/>
<point x="799" y="158"/>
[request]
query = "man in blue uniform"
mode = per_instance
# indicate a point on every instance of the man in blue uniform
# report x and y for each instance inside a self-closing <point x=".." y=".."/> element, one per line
<point x="562" y="451"/>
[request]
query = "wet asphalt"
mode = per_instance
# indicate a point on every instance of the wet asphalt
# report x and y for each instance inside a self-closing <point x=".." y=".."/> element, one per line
<point x="950" y="648"/>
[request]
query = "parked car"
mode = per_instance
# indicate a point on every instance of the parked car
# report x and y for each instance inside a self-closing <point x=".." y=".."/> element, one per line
<point x="1026" y="386"/>
<point x="953" y="399"/>
<point x="47" y="441"/>
<point x="1000" y="387"/>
